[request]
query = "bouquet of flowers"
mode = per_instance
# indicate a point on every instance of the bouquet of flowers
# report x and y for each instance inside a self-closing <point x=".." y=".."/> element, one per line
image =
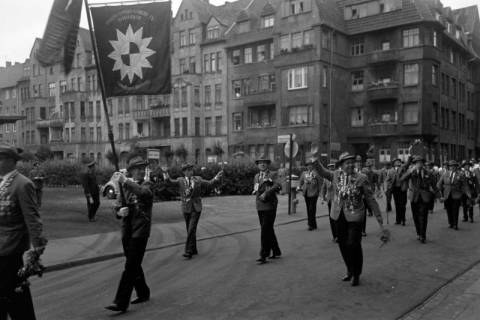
<point x="32" y="266"/>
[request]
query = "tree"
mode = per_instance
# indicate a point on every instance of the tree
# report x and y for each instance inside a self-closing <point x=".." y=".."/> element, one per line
<point x="44" y="153"/>
<point x="181" y="152"/>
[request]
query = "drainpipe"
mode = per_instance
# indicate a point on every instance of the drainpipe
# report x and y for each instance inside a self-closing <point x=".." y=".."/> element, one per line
<point x="330" y="99"/>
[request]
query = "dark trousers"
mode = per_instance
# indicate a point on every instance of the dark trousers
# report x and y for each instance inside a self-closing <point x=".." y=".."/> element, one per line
<point x="332" y="222"/>
<point x="18" y="305"/>
<point x="191" y="222"/>
<point x="388" y="198"/>
<point x="268" y="239"/>
<point x="420" y="217"/>
<point x="350" y="244"/>
<point x="132" y="276"/>
<point x="311" y="203"/>
<point x="467" y="205"/>
<point x="93" y="206"/>
<point x="400" y="199"/>
<point x="453" y="210"/>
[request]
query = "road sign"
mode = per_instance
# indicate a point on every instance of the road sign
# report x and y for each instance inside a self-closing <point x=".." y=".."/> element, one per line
<point x="287" y="149"/>
<point x="153" y="154"/>
<point x="285" y="138"/>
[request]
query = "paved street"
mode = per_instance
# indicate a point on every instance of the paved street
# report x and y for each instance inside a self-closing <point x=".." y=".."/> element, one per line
<point x="224" y="282"/>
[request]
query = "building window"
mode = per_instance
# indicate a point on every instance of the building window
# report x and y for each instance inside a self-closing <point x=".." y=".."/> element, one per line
<point x="261" y="117"/>
<point x="357" y="117"/>
<point x="176" y="98"/>
<point x="192" y="37"/>
<point x="384" y="155"/>
<point x="218" y="94"/>
<point x="236" y="57"/>
<point x="176" y="123"/>
<point x="268" y="21"/>
<point x="184" y="127"/>
<point x="213" y="62"/>
<point x="403" y="154"/>
<point x="248" y="55"/>
<point x="208" y="126"/>
<point x="297" y="40"/>
<point x="183" y="38"/>
<point x="63" y="86"/>
<point x="51" y="89"/>
<point x="213" y="32"/>
<point x="296" y="6"/>
<point x="196" y="97"/>
<point x="91" y="134"/>
<point x="197" y="126"/>
<point x="243" y="26"/>
<point x="285" y="43"/>
<point x="307" y="37"/>
<point x="182" y="65"/>
<point x="218" y="125"/>
<point x="219" y="61"/>
<point x="357" y="81"/>
<point x="237" y="88"/>
<point x="99" y="134"/>
<point x="127" y="131"/>
<point x="411" y="38"/>
<point x="206" y="62"/>
<point x="385" y="45"/>
<point x="410" y="113"/>
<point x="324" y="76"/>
<point x="435" y="39"/>
<point x="208" y="95"/>
<point x="410" y="74"/>
<point x="183" y="92"/>
<point x="261" y="53"/>
<point x="300" y="115"/>
<point x="237" y="121"/>
<point x="435" y="113"/>
<point x="297" y="78"/>
<point x="191" y="65"/>
<point x="435" y="75"/>
<point x="83" y="134"/>
<point x="451" y="55"/>
<point x="358" y="47"/>
<point x="454" y="88"/>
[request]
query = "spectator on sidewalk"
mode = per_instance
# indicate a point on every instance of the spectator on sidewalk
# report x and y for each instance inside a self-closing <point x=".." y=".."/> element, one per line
<point x="91" y="189"/>
<point x="310" y="184"/>
<point x="38" y="177"/>
<point x="190" y="189"/>
<point x="265" y="189"/>
<point x="470" y="194"/>
<point x="136" y="226"/>
<point x="352" y="191"/>
<point x="398" y="189"/>
<point x="20" y="228"/>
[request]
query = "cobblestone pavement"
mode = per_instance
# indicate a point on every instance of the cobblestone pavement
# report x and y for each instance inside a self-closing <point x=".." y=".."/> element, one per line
<point x="459" y="299"/>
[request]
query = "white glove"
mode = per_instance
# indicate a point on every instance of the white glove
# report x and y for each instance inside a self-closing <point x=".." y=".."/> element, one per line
<point x="119" y="177"/>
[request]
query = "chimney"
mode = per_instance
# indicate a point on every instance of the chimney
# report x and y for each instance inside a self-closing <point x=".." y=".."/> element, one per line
<point x="8" y="64"/>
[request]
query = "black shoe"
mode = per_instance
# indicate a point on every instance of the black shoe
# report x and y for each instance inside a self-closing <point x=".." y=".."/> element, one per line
<point x="455" y="227"/>
<point x="403" y="223"/>
<point x="355" y="281"/>
<point x="262" y="260"/>
<point x="92" y="219"/>
<point x="311" y="228"/>
<point x="465" y="220"/>
<point x="194" y="253"/>
<point x="140" y="300"/>
<point x="471" y="221"/>
<point x="275" y="256"/>
<point x="397" y="222"/>
<point x="423" y="240"/>
<point x="187" y="255"/>
<point x="347" y="277"/>
<point x="116" y="308"/>
<point x="450" y="226"/>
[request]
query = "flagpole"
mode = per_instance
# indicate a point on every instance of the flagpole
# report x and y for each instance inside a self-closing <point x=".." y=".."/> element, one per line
<point x="104" y="99"/>
<point x="102" y="87"/>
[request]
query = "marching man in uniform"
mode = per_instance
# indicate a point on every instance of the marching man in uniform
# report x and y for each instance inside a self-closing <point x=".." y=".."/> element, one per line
<point x="310" y="184"/>
<point x="352" y="191"/>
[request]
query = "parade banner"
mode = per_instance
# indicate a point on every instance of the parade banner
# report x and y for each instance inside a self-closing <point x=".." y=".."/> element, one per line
<point x="60" y="34"/>
<point x="133" y="43"/>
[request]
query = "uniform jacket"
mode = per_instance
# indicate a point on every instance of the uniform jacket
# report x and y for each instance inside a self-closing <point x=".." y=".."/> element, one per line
<point x="373" y="177"/>
<point x="20" y="223"/>
<point x="421" y="185"/>
<point x="453" y="184"/>
<point x="393" y="179"/>
<point x="472" y="183"/>
<point x="266" y="189"/>
<point x="310" y="183"/>
<point x="350" y="195"/>
<point x="327" y="191"/>
<point x="89" y="183"/>
<point x="191" y="192"/>
<point x="139" y="200"/>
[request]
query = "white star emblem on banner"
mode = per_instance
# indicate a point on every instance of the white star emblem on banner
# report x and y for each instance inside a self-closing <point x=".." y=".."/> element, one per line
<point x="130" y="52"/>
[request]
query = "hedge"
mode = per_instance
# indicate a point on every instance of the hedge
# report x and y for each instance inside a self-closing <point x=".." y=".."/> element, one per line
<point x="237" y="178"/>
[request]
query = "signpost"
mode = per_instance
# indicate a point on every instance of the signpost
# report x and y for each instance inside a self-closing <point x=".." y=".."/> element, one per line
<point x="153" y="154"/>
<point x="290" y="152"/>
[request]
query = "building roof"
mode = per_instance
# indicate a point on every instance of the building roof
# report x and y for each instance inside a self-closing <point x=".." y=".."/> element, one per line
<point x="9" y="75"/>
<point x="227" y="13"/>
<point x="331" y="13"/>
<point x="85" y="38"/>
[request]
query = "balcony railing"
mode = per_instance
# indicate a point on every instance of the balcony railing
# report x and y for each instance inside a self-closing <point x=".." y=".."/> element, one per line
<point x="383" y="90"/>
<point x="56" y="120"/>
<point x="160" y="112"/>
<point x="382" y="128"/>
<point x="142" y="114"/>
<point x="383" y="56"/>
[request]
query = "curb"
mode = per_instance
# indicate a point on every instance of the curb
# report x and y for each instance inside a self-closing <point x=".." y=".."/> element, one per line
<point x="105" y="257"/>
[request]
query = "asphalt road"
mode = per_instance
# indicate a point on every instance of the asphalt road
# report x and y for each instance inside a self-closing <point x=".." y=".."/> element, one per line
<point x="224" y="282"/>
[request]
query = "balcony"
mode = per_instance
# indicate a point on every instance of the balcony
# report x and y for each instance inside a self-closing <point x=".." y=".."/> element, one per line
<point x="383" y="90"/>
<point x="56" y="120"/>
<point x="383" y="56"/>
<point x="142" y="114"/>
<point x="382" y="129"/>
<point x="160" y="112"/>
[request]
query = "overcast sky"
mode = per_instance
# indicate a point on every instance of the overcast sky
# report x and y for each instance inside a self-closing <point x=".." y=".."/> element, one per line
<point x="21" y="21"/>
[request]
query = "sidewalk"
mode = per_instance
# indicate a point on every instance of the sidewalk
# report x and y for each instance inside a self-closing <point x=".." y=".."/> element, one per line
<point x="458" y="299"/>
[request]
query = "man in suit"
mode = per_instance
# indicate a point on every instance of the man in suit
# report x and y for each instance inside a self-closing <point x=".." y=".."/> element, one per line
<point x="472" y="189"/>
<point x="190" y="189"/>
<point x="430" y="168"/>
<point x="91" y="190"/>
<point x="352" y="191"/>
<point x="20" y="229"/>
<point x="327" y="193"/>
<point x="136" y="225"/>
<point x="398" y="189"/>
<point x="421" y="192"/>
<point x="452" y="186"/>
<point x="265" y="188"/>
<point x="38" y="177"/>
<point x="310" y="184"/>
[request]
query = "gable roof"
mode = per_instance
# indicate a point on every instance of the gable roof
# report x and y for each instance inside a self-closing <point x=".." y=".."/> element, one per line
<point x="10" y="75"/>
<point x="331" y="13"/>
